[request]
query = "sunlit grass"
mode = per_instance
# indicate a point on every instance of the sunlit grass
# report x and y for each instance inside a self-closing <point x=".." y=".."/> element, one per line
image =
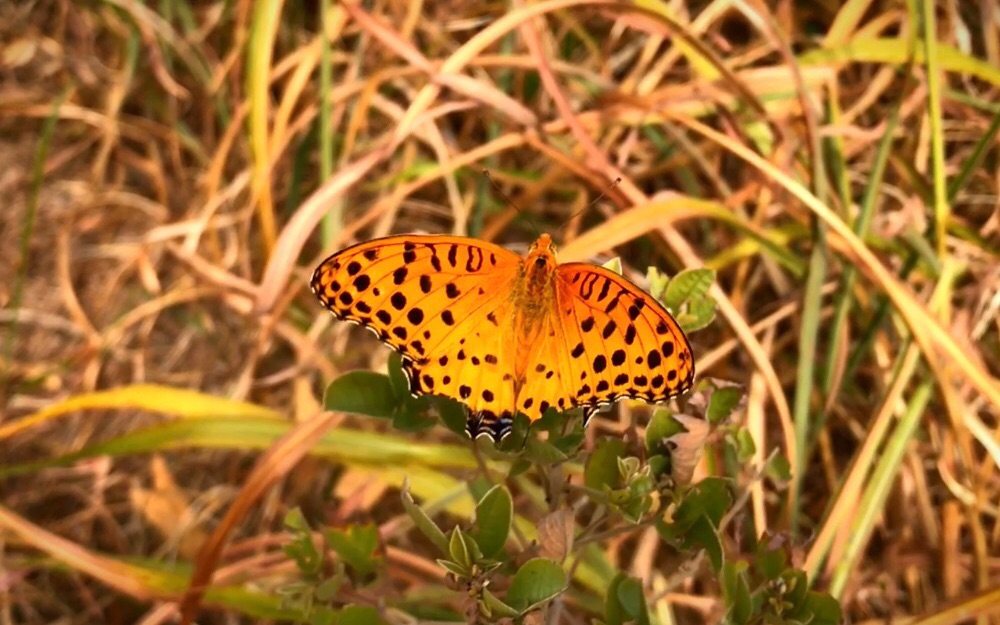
<point x="834" y="165"/>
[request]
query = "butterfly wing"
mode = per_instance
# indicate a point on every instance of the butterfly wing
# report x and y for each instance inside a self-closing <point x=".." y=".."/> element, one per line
<point x="606" y="340"/>
<point x="444" y="303"/>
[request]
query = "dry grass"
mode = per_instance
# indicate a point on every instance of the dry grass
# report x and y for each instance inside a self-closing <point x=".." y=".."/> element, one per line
<point x="171" y="174"/>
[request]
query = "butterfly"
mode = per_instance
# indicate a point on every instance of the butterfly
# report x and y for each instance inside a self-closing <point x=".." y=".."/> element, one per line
<point x="505" y="333"/>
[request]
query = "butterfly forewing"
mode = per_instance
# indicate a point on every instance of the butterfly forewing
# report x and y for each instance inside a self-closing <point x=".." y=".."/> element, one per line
<point x="438" y="300"/>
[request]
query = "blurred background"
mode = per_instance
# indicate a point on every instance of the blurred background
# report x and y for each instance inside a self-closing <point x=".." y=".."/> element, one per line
<point x="172" y="172"/>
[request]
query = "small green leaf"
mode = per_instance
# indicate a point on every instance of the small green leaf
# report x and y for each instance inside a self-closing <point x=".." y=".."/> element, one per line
<point x="359" y="615"/>
<point x="770" y="556"/>
<point x="614" y="612"/>
<point x="494" y="514"/>
<point x="657" y="283"/>
<point x="778" y="469"/>
<point x="518" y="467"/>
<point x="695" y="522"/>
<point x="569" y="444"/>
<point x="454" y="414"/>
<point x="328" y="588"/>
<point x="455" y="568"/>
<point x="633" y="601"/>
<point x="544" y="452"/>
<point x="497" y="607"/>
<point x="736" y="591"/>
<point x="699" y="315"/>
<point x="686" y="285"/>
<point x="301" y="548"/>
<point x="536" y="582"/>
<point x="362" y="392"/>
<point x="825" y="610"/>
<point x="411" y="418"/>
<point x="478" y="486"/>
<point x="710" y="497"/>
<point x="614" y="264"/>
<point x="722" y="403"/>
<point x="356" y="546"/>
<point x="745" y="447"/>
<point x="458" y="548"/>
<point x="294" y="520"/>
<point x="660" y="428"/>
<point x="602" y="466"/>
<point x="659" y="465"/>
<point x="796" y="586"/>
<point x="400" y="383"/>
<point x="323" y="616"/>
<point x="422" y="521"/>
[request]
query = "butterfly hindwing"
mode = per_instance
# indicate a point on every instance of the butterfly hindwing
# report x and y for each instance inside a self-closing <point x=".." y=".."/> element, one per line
<point x="612" y="341"/>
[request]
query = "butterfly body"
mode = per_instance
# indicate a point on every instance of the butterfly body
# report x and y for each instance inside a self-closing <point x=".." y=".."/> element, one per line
<point x="534" y="292"/>
<point x="504" y="333"/>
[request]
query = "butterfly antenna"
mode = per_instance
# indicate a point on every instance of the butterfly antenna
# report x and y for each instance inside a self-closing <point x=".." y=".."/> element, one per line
<point x="506" y="198"/>
<point x="591" y="204"/>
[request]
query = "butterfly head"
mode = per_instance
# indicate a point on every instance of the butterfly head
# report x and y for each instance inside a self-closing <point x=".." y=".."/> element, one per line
<point x="542" y="255"/>
<point x="541" y="261"/>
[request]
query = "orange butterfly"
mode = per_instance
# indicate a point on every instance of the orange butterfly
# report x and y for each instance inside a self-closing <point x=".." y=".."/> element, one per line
<point x="503" y="333"/>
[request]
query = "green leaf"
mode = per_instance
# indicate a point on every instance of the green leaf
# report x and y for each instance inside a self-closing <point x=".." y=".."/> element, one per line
<point x="458" y="549"/>
<point x="824" y="608"/>
<point x="544" y="452"/>
<point x="614" y="612"/>
<point x="695" y="522"/>
<point x="686" y="285"/>
<point x="657" y="283"/>
<point x="602" y="465"/>
<point x="301" y="548"/>
<point x="362" y="392"/>
<point x="412" y="418"/>
<point x="659" y="465"/>
<point x="700" y="313"/>
<point x="796" y="586"/>
<point x="633" y="601"/>
<point x="569" y="444"/>
<point x="660" y="428"/>
<point x="778" y="469"/>
<point x="494" y="514"/>
<point x="496" y="607"/>
<point x="770" y="556"/>
<point x="397" y="378"/>
<point x="518" y="467"/>
<point x="359" y="615"/>
<point x="454" y="414"/>
<point x="356" y="546"/>
<point x="455" y="568"/>
<point x="422" y="521"/>
<point x="722" y="403"/>
<point x="327" y="590"/>
<point x="705" y="534"/>
<point x="710" y="497"/>
<point x="736" y="591"/>
<point x="745" y="446"/>
<point x="614" y="264"/>
<point x="322" y="617"/>
<point x="536" y="582"/>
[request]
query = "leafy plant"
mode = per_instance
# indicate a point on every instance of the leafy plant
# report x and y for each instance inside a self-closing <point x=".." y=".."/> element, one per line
<point x="505" y="567"/>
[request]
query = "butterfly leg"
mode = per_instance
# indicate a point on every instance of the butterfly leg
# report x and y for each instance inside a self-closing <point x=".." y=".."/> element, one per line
<point x="588" y="413"/>
<point x="527" y="433"/>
